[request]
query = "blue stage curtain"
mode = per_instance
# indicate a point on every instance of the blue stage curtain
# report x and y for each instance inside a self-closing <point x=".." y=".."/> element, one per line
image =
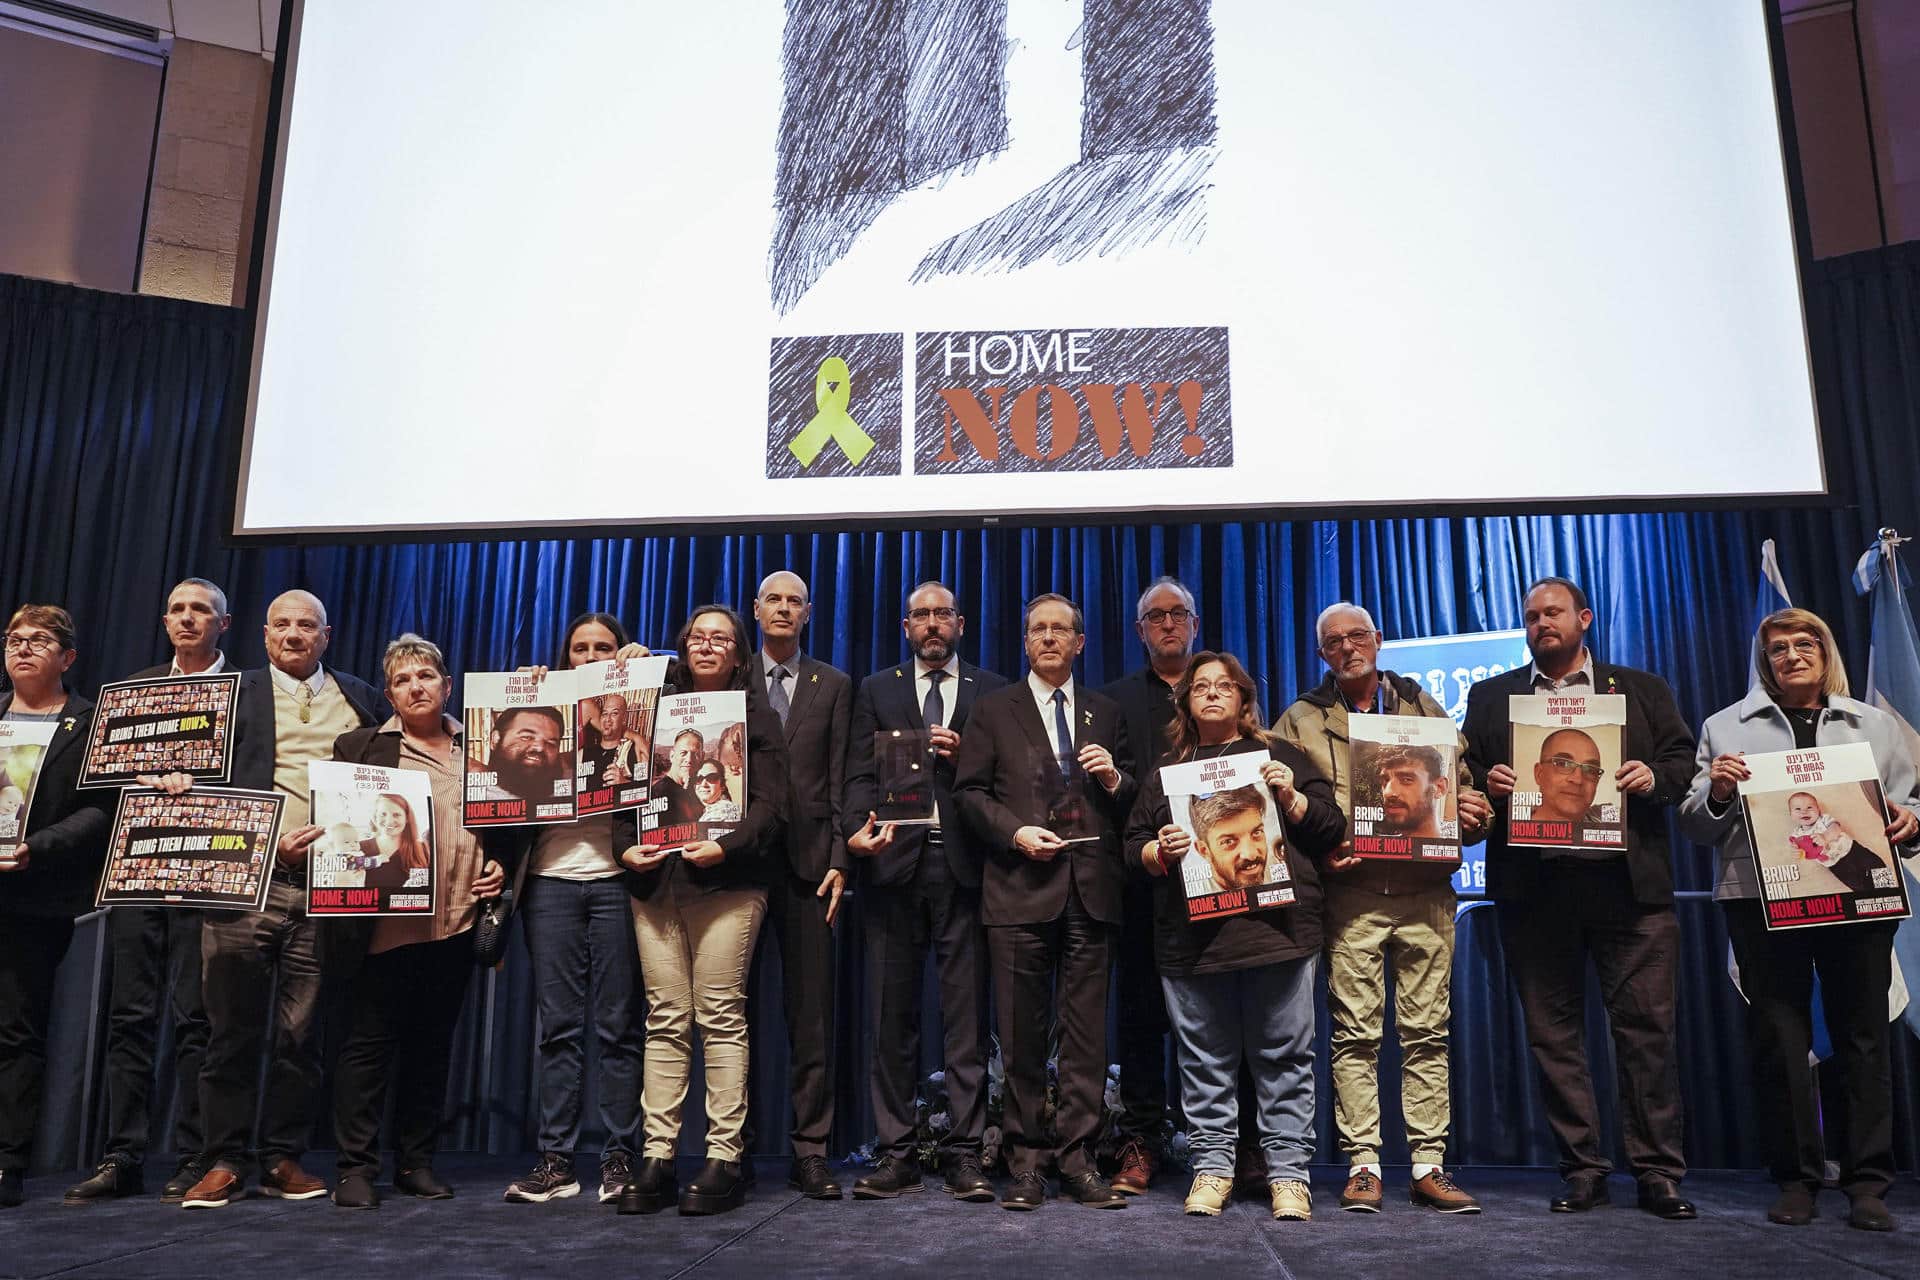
<point x="112" y="480"/>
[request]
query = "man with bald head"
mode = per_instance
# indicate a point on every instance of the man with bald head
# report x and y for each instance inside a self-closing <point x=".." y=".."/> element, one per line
<point x="815" y="705"/>
<point x="288" y="715"/>
<point x="1566" y="776"/>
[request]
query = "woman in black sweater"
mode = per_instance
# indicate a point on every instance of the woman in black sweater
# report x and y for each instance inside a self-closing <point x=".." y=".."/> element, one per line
<point x="1240" y="987"/>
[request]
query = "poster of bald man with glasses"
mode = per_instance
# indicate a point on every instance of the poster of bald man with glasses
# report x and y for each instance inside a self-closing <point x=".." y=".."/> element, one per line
<point x="1566" y="749"/>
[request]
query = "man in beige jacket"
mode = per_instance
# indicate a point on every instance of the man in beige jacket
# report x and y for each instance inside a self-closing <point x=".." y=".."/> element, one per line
<point x="1379" y="913"/>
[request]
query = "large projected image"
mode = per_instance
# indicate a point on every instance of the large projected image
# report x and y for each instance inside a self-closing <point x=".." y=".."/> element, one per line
<point x="870" y="260"/>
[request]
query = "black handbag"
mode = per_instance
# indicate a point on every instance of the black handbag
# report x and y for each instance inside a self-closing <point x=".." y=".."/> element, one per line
<point x="491" y="930"/>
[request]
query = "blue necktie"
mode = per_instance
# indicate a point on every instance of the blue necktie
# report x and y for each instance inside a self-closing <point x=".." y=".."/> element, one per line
<point x="777" y="693"/>
<point x="934" y="710"/>
<point x="1063" y="731"/>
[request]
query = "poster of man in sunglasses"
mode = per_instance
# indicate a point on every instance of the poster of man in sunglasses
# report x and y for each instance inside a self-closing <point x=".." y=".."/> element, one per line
<point x="1566" y="750"/>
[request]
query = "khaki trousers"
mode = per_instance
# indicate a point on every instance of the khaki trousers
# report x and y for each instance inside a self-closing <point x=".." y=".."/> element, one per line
<point x="694" y="952"/>
<point x="1412" y="932"/>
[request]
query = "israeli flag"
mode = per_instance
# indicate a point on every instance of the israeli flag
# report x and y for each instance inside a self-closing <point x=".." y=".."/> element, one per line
<point x="1893" y="685"/>
<point x="1769" y="597"/>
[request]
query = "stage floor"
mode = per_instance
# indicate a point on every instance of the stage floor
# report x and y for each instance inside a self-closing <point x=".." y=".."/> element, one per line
<point x="779" y="1234"/>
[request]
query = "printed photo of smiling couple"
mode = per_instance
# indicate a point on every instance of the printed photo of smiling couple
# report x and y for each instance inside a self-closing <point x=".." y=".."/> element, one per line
<point x="1566" y="753"/>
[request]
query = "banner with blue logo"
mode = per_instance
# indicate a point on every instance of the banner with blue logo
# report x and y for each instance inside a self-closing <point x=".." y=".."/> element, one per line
<point x="1448" y="666"/>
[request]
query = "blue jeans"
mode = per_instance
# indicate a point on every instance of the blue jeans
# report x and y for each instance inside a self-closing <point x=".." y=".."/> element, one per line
<point x="1264" y="1016"/>
<point x="580" y="936"/>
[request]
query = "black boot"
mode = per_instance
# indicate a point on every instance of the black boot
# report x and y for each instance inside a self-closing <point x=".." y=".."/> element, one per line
<point x="650" y="1188"/>
<point x="717" y="1188"/>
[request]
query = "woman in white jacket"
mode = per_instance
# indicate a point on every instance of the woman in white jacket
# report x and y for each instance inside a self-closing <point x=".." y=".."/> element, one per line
<point x="1801" y="702"/>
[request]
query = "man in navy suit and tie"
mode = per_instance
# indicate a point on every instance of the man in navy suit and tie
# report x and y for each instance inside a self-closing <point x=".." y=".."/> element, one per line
<point x="813" y="702"/>
<point x="1043" y="784"/>
<point x="922" y="893"/>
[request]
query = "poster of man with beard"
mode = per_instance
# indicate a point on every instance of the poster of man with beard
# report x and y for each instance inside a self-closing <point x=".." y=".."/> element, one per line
<point x="1239" y="858"/>
<point x="1404" y="805"/>
<point x="520" y="766"/>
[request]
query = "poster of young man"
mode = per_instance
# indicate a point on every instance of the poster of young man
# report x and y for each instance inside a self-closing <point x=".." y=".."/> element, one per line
<point x="903" y="776"/>
<point x="1566" y="751"/>
<point x="1405" y="808"/>
<point x="176" y="724"/>
<point x="376" y="856"/>
<point x="691" y="798"/>
<point x="1239" y="858"/>
<point x="1818" y="825"/>
<point x="23" y="748"/>
<point x="520" y="763"/>
<point x="614" y="720"/>
<point x="210" y="847"/>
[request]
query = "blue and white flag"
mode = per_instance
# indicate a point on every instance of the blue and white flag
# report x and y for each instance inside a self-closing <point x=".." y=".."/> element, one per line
<point x="1770" y="597"/>
<point x="1893" y="685"/>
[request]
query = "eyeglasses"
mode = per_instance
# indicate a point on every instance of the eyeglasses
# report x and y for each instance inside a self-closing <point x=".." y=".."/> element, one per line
<point x="1202" y="688"/>
<point x="1560" y="764"/>
<point x="1359" y="638"/>
<point x="1805" y="647"/>
<point x="712" y="641"/>
<point x="1154" y="617"/>
<point x="31" y="644"/>
<point x="1039" y="629"/>
<point x="922" y="615"/>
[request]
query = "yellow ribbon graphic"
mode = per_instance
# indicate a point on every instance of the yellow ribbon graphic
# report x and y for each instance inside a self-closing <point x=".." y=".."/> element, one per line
<point x="832" y="393"/>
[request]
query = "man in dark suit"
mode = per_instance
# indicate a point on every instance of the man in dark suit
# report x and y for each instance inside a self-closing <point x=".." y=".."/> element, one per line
<point x="1167" y="623"/>
<point x="156" y="964"/>
<point x="289" y="714"/>
<point x="922" y="893"/>
<point x="1041" y="757"/>
<point x="1559" y="907"/>
<point x="814" y="702"/>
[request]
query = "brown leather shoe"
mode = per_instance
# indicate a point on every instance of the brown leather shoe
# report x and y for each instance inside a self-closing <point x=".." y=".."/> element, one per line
<point x="1136" y="1169"/>
<point x="288" y="1181"/>
<point x="1362" y="1192"/>
<point x="216" y="1189"/>
<point x="1438" y="1191"/>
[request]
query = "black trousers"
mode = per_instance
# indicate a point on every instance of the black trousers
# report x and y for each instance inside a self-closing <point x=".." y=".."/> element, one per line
<point x="799" y="921"/>
<point x="156" y="967"/>
<point x="1142" y="1023"/>
<point x="405" y="1005"/>
<point x="30" y="952"/>
<point x="244" y="954"/>
<point x="905" y="922"/>
<point x="1062" y="963"/>
<point x="1855" y="964"/>
<point x="1585" y="910"/>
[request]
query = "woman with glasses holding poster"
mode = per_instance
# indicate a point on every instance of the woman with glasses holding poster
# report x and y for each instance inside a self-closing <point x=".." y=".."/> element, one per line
<point x="407" y="993"/>
<point x="48" y="866"/>
<point x="1239" y="986"/>
<point x="1799" y="703"/>
<point x="697" y="909"/>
